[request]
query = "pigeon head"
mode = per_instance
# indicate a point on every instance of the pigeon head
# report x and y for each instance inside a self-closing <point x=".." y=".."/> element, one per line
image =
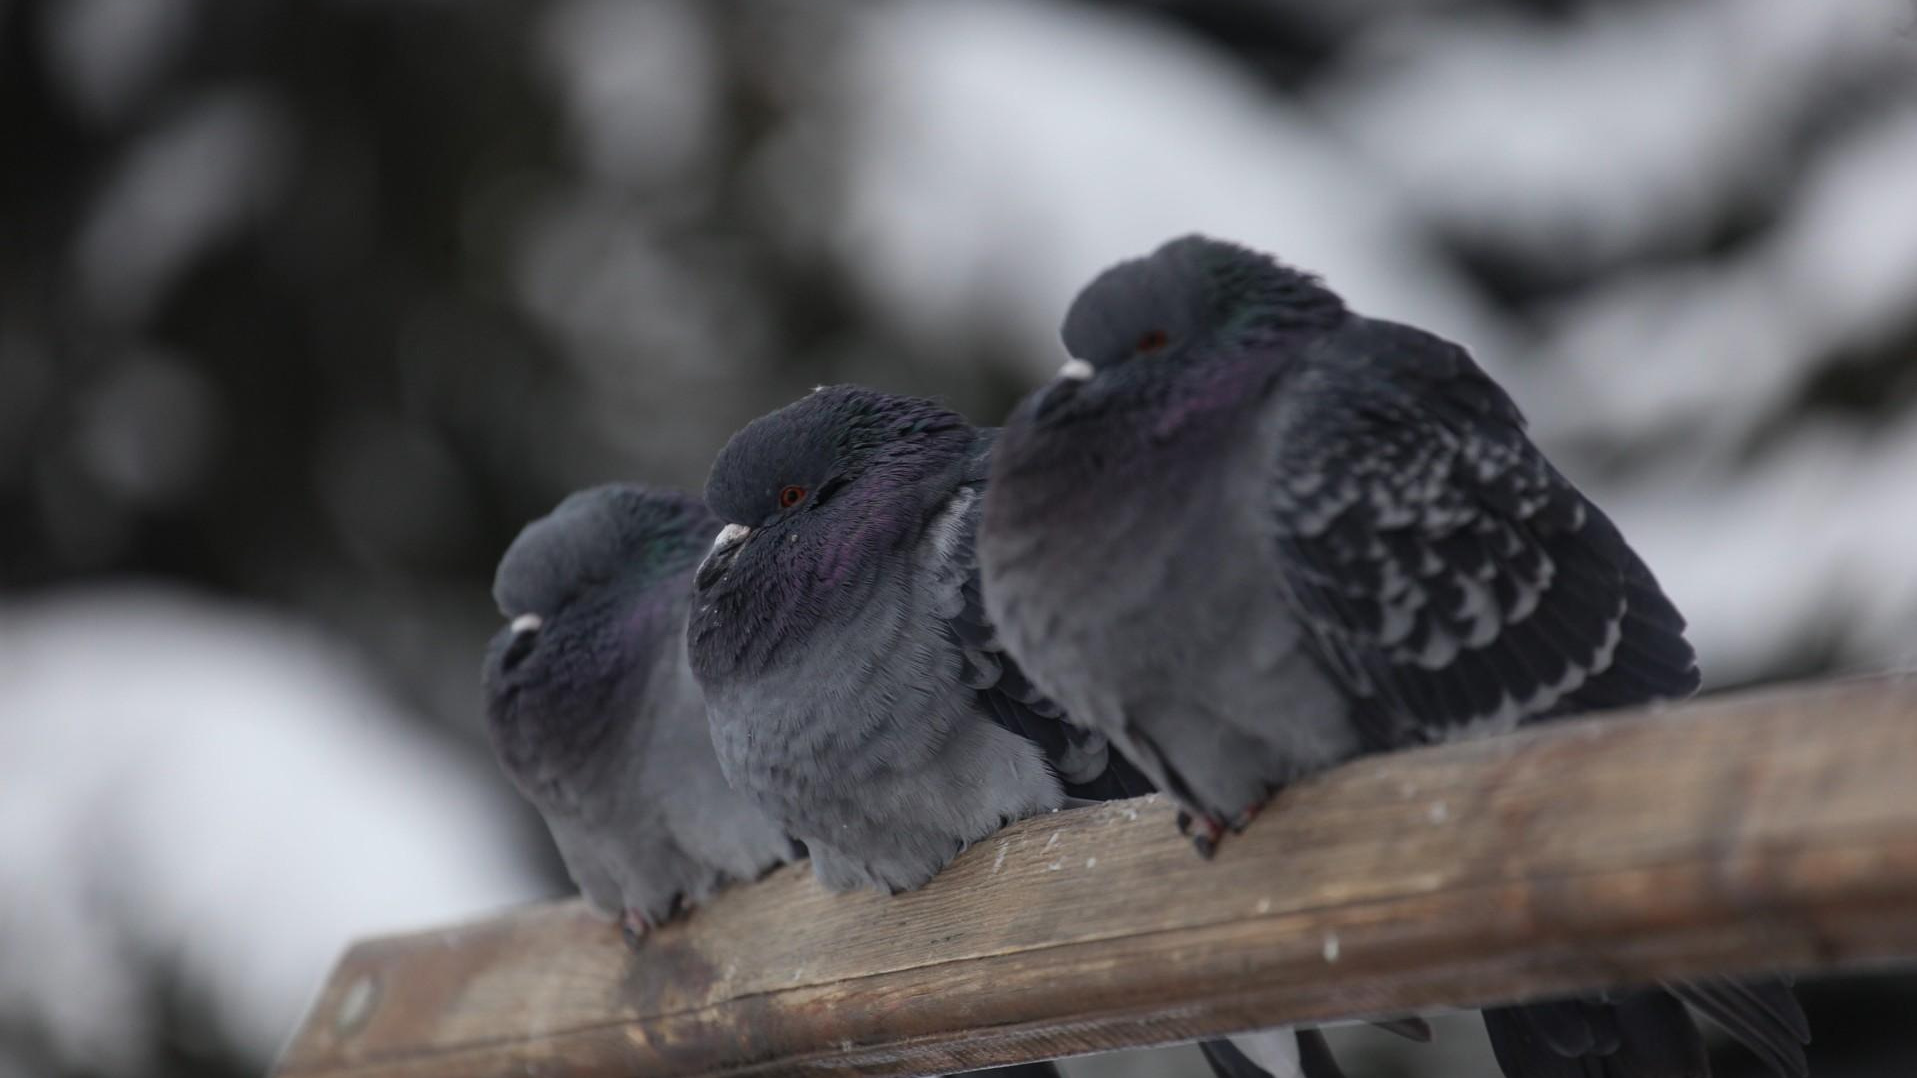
<point x="812" y="495"/>
<point x="592" y="593"/>
<point x="1184" y="300"/>
<point x="620" y="533"/>
<point x="795" y="461"/>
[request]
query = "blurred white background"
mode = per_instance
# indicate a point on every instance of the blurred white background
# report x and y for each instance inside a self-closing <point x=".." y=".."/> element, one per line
<point x="306" y="305"/>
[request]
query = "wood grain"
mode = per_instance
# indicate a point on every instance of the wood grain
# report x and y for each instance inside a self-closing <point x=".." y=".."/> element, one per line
<point x="1769" y="830"/>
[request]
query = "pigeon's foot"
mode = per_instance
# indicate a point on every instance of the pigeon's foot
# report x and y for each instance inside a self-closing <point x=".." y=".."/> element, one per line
<point x="1204" y="831"/>
<point x="1244" y="818"/>
<point x="633" y="928"/>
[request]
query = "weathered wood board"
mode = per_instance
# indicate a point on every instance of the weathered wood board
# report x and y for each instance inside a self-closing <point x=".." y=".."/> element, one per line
<point x="1767" y="830"/>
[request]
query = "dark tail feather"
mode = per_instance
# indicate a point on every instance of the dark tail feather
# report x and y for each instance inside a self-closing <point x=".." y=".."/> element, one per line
<point x="1647" y="1035"/>
<point x="1521" y="1049"/>
<point x="1314" y="1056"/>
<point x="1573" y="1027"/>
<point x="1411" y="1028"/>
<point x="1226" y="1061"/>
<point x="1315" y="1060"/>
<point x="1657" y="1038"/>
<point x="1764" y="1016"/>
<point x="1653" y="660"/>
<point x="1120" y="779"/>
<point x="1059" y="739"/>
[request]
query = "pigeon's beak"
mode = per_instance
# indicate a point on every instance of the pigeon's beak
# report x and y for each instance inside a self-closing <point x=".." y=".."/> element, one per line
<point x="1075" y="373"/>
<point x="522" y="636"/>
<point x="724" y="549"/>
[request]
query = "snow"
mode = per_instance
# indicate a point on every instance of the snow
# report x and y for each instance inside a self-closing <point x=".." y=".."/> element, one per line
<point x="179" y="189"/>
<point x="107" y="52"/>
<point x="149" y="429"/>
<point x="1626" y="128"/>
<point x="1816" y="541"/>
<point x="1651" y="353"/>
<point x="214" y="796"/>
<point x="1850" y="252"/>
<point x="641" y="86"/>
<point x="1004" y="153"/>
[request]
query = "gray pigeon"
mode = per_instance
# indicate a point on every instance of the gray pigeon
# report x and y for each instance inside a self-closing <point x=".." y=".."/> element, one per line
<point x="1247" y="534"/>
<point x="855" y="688"/>
<point x="594" y="712"/>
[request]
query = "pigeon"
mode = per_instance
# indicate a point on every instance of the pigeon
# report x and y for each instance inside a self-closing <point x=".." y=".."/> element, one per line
<point x="855" y="688"/>
<point x="1247" y="534"/>
<point x="596" y="718"/>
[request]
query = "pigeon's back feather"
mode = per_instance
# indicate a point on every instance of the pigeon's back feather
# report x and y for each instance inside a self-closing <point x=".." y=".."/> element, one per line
<point x="1450" y="577"/>
<point x="1081" y="757"/>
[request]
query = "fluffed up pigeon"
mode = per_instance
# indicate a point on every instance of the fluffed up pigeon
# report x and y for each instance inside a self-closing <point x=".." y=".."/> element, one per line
<point x="1247" y="533"/>
<point x="856" y="689"/>
<point x="594" y="713"/>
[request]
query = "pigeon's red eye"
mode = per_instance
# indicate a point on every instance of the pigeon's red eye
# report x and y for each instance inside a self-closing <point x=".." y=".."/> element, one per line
<point x="1152" y="340"/>
<point x="791" y="496"/>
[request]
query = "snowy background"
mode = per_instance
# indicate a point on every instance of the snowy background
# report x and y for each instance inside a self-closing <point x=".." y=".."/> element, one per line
<point x="306" y="305"/>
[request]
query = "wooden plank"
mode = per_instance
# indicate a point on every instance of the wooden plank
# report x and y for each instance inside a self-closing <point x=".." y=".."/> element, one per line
<point x="1768" y="830"/>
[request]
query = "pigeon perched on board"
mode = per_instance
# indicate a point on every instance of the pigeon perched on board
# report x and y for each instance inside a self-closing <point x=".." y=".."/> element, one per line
<point x="855" y="691"/>
<point x="855" y="688"/>
<point x="1247" y="534"/>
<point x="594" y="713"/>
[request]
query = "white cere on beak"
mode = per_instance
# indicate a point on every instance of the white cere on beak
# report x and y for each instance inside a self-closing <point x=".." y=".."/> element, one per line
<point x="526" y="623"/>
<point x="1075" y="370"/>
<point x="730" y="534"/>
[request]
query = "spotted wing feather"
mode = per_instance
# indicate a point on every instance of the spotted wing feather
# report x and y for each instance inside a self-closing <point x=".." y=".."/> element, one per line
<point x="1449" y="576"/>
<point x="1081" y="757"/>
